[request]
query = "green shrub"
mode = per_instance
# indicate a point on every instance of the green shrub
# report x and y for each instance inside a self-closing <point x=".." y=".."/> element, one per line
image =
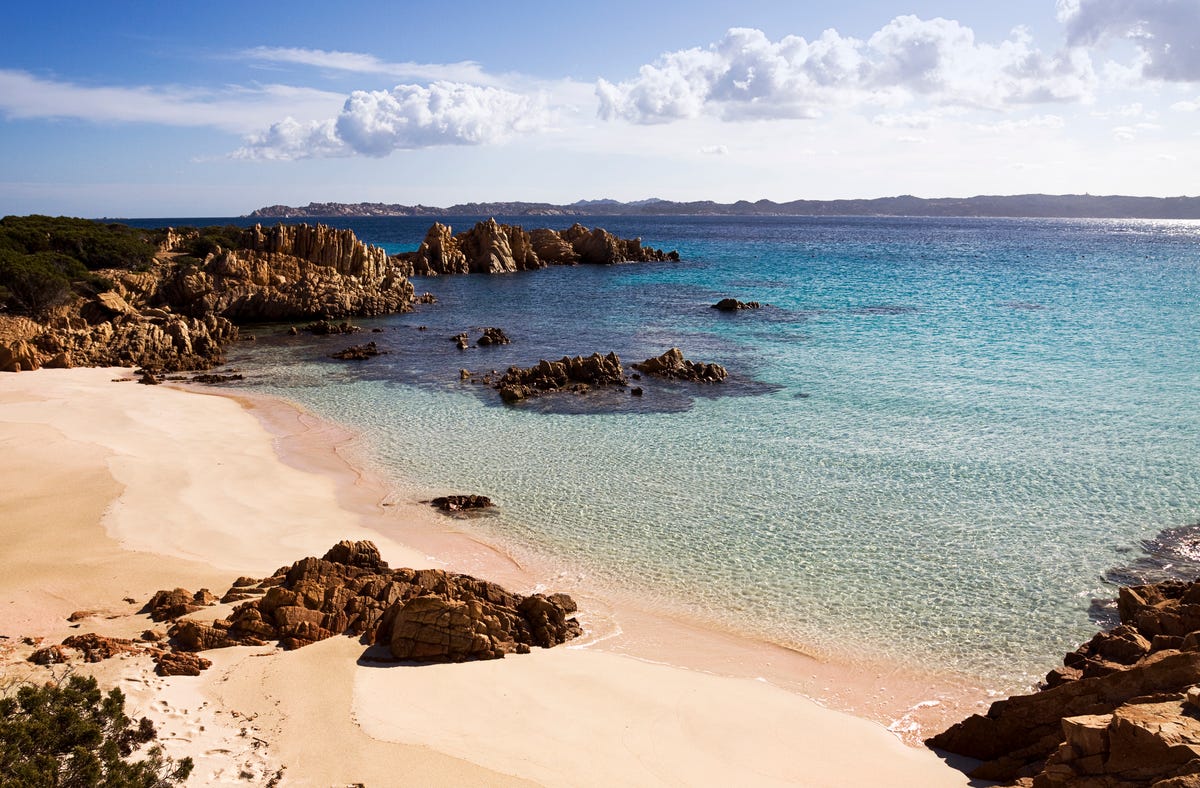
<point x="93" y="244"/>
<point x="73" y="736"/>
<point x="36" y="283"/>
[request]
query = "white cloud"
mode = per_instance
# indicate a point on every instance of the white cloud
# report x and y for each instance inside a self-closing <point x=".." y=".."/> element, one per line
<point x="362" y="63"/>
<point x="1130" y="132"/>
<point x="1164" y="31"/>
<point x="236" y="109"/>
<point x="1187" y="106"/>
<point x="746" y="75"/>
<point x="715" y="150"/>
<point x="376" y="123"/>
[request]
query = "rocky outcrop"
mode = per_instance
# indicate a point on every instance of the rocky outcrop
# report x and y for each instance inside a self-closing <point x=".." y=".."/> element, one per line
<point x="1116" y="714"/>
<point x="734" y="305"/>
<point x="167" y="342"/>
<point x="492" y="248"/>
<point x="424" y="615"/>
<point x="181" y="313"/>
<point x="576" y="375"/>
<point x="673" y="366"/>
<point x="290" y="272"/>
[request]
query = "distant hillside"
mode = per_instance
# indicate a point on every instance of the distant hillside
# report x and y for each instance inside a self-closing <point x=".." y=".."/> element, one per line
<point x="1069" y="206"/>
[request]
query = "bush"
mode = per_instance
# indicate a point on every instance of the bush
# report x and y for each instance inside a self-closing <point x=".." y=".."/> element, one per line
<point x="93" y="244"/>
<point x="72" y="735"/>
<point x="36" y="283"/>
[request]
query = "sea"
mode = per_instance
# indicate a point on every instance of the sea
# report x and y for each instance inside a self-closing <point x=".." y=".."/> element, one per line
<point x="941" y="442"/>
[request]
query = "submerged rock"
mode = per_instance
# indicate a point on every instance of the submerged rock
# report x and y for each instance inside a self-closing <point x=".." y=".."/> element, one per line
<point x="459" y="503"/>
<point x="1115" y="714"/>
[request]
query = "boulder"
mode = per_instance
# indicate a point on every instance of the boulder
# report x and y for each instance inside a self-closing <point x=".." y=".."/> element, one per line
<point x="174" y="663"/>
<point x="168" y="605"/>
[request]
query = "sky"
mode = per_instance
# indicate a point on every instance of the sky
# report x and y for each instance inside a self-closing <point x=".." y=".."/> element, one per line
<point x="152" y="109"/>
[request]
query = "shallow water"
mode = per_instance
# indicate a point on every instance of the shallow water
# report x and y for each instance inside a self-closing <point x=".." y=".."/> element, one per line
<point x="937" y="438"/>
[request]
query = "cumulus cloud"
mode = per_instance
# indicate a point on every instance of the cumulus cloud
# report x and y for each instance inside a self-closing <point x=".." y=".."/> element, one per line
<point x="747" y="75"/>
<point x="362" y="63"/>
<point x="378" y="122"/>
<point x="1166" y="32"/>
<point x="1186" y="106"/>
<point x="715" y="150"/>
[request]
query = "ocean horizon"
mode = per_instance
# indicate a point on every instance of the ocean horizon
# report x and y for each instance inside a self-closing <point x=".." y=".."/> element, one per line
<point x="939" y="438"/>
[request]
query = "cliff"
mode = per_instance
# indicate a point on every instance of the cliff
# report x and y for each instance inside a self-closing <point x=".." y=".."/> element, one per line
<point x="491" y="248"/>
<point x="180" y="312"/>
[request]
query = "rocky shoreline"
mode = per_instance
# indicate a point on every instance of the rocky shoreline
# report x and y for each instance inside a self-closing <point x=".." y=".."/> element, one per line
<point x="1122" y="711"/>
<point x="179" y="311"/>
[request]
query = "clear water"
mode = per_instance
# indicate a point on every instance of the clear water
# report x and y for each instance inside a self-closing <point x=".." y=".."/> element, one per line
<point x="937" y="438"/>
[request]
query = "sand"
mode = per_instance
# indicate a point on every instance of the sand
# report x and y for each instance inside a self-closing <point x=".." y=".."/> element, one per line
<point x="114" y="490"/>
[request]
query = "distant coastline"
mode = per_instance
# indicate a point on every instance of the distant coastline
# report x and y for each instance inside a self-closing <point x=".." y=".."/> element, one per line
<point x="1034" y="206"/>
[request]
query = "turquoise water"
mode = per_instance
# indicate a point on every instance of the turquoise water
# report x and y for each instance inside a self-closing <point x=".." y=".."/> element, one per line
<point x="936" y="439"/>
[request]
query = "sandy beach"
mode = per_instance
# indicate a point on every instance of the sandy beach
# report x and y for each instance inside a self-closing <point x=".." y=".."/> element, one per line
<point x="115" y="490"/>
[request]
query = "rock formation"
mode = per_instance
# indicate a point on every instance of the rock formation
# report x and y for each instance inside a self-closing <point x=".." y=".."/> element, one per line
<point x="576" y="374"/>
<point x="290" y="272"/>
<point x="1116" y="714"/>
<point x="179" y="314"/>
<point x="493" y="248"/>
<point x="674" y="366"/>
<point x="427" y="615"/>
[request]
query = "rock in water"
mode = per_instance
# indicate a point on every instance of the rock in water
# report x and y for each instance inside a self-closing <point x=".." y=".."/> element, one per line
<point x="674" y="366"/>
<point x="734" y="305"/>
<point x="359" y="352"/>
<point x="568" y="374"/>
<point x="459" y="503"/>
<point x="493" y="248"/>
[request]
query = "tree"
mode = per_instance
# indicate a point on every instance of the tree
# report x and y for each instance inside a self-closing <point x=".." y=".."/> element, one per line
<point x="71" y="735"/>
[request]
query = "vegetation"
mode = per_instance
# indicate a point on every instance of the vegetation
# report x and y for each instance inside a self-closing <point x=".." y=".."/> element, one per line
<point x="71" y="735"/>
<point x="43" y="260"/>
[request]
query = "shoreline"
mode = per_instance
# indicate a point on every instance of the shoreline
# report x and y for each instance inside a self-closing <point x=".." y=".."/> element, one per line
<point x="620" y="649"/>
<point x="911" y="703"/>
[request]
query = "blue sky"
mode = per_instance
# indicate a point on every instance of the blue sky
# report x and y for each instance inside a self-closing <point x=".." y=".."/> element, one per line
<point x="214" y="109"/>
